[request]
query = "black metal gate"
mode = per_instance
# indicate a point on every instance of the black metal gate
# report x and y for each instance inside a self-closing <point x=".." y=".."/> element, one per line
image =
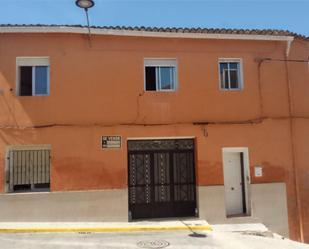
<point x="161" y="178"/>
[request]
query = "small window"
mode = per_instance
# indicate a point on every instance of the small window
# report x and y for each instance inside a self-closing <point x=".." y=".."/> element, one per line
<point x="230" y="74"/>
<point x="32" y="76"/>
<point x="28" y="169"/>
<point x="160" y="75"/>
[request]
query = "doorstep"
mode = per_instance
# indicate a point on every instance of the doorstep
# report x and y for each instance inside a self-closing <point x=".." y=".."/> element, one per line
<point x="240" y="227"/>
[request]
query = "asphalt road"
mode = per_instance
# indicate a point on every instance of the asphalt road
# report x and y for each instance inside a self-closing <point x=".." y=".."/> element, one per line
<point x="169" y="240"/>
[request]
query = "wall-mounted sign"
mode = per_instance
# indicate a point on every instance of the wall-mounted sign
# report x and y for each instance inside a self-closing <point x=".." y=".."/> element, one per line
<point x="258" y="171"/>
<point x="111" y="142"/>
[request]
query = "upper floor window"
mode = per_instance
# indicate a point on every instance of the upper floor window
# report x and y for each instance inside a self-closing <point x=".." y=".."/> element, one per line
<point x="230" y="74"/>
<point x="32" y="76"/>
<point x="160" y="75"/>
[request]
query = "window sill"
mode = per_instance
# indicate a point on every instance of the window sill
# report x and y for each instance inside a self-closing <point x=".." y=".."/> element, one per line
<point x="161" y="91"/>
<point x="25" y="96"/>
<point x="43" y="191"/>
<point x="231" y="90"/>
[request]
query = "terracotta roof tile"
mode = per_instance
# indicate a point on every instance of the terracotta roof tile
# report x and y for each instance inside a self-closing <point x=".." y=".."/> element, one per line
<point x="274" y="32"/>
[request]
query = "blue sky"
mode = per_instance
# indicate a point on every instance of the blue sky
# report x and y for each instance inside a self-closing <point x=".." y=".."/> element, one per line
<point x="275" y="14"/>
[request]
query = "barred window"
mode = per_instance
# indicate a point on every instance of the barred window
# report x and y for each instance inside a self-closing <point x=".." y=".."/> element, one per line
<point x="28" y="169"/>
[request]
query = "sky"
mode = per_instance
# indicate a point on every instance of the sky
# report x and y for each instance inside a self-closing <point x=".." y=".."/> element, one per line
<point x="292" y="15"/>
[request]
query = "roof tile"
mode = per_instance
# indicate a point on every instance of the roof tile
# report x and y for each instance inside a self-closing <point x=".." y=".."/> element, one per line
<point x="273" y="32"/>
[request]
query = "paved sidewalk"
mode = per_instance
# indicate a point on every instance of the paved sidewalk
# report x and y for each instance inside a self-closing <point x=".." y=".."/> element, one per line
<point x="141" y="239"/>
<point x="181" y="234"/>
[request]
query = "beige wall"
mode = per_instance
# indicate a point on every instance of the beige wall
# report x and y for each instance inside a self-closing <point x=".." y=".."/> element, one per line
<point x="268" y="206"/>
<point x="105" y="205"/>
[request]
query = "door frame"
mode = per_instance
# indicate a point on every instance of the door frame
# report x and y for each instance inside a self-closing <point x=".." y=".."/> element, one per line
<point x="246" y="168"/>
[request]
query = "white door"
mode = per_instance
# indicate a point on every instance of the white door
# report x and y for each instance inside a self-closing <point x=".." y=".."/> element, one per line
<point x="234" y="193"/>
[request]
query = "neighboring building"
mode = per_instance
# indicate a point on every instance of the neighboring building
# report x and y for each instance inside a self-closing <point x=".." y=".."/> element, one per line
<point x="140" y="123"/>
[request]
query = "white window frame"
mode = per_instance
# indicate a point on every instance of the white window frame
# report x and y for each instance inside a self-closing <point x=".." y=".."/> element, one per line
<point x="33" y="62"/>
<point x="151" y="62"/>
<point x="240" y="73"/>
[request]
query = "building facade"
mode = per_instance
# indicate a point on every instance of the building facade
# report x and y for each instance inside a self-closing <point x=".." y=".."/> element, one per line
<point x="132" y="124"/>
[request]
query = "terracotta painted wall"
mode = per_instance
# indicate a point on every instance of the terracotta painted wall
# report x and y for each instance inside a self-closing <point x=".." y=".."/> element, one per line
<point x="299" y="81"/>
<point x="100" y="91"/>
<point x="111" y="75"/>
<point x="79" y="163"/>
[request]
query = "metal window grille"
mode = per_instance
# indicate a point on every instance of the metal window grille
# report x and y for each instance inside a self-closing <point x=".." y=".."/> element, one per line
<point x="28" y="170"/>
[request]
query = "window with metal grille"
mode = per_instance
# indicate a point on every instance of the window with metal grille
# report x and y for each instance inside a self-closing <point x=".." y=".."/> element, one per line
<point x="28" y="170"/>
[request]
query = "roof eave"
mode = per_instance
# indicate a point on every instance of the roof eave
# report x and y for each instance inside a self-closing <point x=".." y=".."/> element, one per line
<point x="141" y="33"/>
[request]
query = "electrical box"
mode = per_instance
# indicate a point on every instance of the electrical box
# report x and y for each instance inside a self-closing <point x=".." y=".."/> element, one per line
<point x="258" y="171"/>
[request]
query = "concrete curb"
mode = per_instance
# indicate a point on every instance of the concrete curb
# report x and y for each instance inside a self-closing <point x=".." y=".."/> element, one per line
<point x="104" y="229"/>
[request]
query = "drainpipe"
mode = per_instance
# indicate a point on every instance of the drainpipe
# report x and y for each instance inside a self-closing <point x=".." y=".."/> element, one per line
<point x="295" y="172"/>
<point x="261" y="106"/>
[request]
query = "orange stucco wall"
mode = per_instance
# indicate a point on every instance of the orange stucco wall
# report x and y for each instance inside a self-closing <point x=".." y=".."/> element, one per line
<point x="100" y="91"/>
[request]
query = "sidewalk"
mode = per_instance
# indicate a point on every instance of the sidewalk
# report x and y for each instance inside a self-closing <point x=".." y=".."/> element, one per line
<point x="186" y="234"/>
